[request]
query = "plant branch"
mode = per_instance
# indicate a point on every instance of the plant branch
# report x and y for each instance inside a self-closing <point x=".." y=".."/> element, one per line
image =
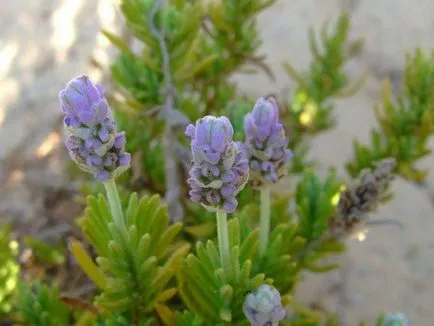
<point x="171" y="165"/>
<point x="256" y="61"/>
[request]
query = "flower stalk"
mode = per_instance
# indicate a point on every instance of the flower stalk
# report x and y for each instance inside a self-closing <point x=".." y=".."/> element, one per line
<point x="114" y="202"/>
<point x="223" y="241"/>
<point x="265" y="220"/>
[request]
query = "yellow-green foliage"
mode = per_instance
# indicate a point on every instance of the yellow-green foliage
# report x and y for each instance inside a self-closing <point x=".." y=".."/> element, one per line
<point x="405" y="122"/>
<point x="140" y="263"/>
<point x="9" y="270"/>
<point x="215" y="295"/>
<point x="39" y="305"/>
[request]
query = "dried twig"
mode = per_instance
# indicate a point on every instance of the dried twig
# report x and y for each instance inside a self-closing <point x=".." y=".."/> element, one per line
<point x="171" y="166"/>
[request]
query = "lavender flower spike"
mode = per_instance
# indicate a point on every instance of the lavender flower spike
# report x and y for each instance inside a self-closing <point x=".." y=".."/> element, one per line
<point x="267" y="143"/>
<point x="91" y="136"/>
<point x="220" y="167"/>
<point x="263" y="307"/>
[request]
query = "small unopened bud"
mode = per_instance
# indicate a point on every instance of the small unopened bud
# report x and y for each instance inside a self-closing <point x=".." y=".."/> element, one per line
<point x="264" y="307"/>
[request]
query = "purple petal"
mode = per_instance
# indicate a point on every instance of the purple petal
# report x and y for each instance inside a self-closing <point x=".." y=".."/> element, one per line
<point x="228" y="176"/>
<point x="267" y="166"/>
<point x="91" y="90"/>
<point x="242" y="149"/>
<point x="86" y="115"/>
<point x="64" y="104"/>
<point x="101" y="110"/>
<point x="83" y="152"/>
<point x="249" y="125"/>
<point x="196" y="171"/>
<point x="288" y="155"/>
<point x="89" y="161"/>
<point x="72" y="121"/>
<point x="103" y="134"/>
<point x="229" y="130"/>
<point x="211" y="156"/>
<point x="124" y="159"/>
<point x="237" y="178"/>
<point x="228" y="190"/>
<point x="74" y="95"/>
<point x="213" y="170"/>
<point x="217" y="137"/>
<point x="120" y="140"/>
<point x="230" y="205"/>
<point x="92" y="143"/>
<point x="94" y="160"/>
<point x="102" y="176"/>
<point x="202" y="131"/>
<point x="195" y="196"/>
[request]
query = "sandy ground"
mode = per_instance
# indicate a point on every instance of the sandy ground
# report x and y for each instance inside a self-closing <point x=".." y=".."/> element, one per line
<point x="43" y="43"/>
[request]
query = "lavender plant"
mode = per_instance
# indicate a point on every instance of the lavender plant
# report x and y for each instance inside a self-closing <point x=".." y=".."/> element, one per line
<point x="219" y="176"/>
<point x="224" y="284"/>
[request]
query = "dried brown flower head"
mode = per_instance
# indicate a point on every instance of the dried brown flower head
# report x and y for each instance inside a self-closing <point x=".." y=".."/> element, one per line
<point x="362" y="198"/>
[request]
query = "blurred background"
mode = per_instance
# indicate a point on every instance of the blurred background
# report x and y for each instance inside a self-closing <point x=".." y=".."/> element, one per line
<point x="44" y="43"/>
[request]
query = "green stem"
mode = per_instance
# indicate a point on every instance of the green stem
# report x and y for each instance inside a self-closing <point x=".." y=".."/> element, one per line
<point x="115" y="203"/>
<point x="264" y="230"/>
<point x="223" y="241"/>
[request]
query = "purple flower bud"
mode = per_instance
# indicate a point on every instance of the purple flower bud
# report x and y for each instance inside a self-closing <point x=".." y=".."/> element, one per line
<point x="104" y="134"/>
<point x="102" y="176"/>
<point x="228" y="176"/>
<point x="266" y="143"/>
<point x="228" y="190"/>
<point x="93" y="160"/>
<point x="220" y="168"/>
<point x="120" y="140"/>
<point x="72" y="121"/>
<point x="124" y="159"/>
<point x="195" y="196"/>
<point x="92" y="140"/>
<point x="264" y="307"/>
<point x="92" y="143"/>
<point x="230" y="204"/>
